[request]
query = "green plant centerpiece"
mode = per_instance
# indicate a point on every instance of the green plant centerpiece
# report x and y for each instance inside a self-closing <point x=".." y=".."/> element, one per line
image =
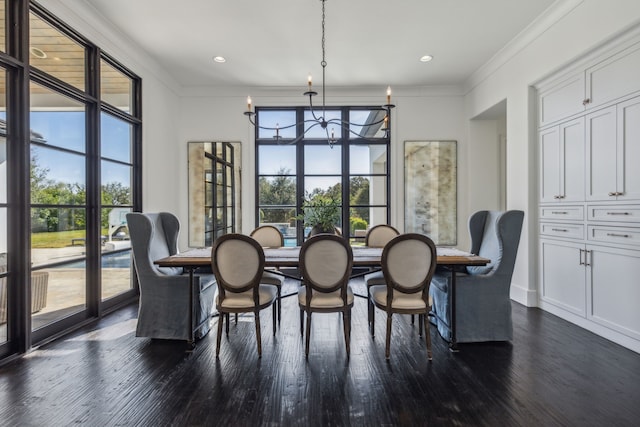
<point x="321" y="213"/>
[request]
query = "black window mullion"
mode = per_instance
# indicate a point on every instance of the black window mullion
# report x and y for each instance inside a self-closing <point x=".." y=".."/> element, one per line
<point x="93" y="183"/>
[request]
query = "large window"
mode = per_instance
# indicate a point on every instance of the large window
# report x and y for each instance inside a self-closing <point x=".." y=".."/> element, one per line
<point x="296" y="168"/>
<point x="70" y="135"/>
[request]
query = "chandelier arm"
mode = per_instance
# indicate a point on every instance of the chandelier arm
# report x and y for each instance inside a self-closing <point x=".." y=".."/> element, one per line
<point x="347" y="126"/>
<point x="313" y="113"/>
<point x="344" y="122"/>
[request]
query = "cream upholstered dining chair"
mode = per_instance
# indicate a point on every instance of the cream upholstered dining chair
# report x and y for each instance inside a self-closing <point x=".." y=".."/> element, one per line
<point x="270" y="237"/>
<point x="238" y="262"/>
<point x="408" y="263"/>
<point x="376" y="237"/>
<point x="325" y="264"/>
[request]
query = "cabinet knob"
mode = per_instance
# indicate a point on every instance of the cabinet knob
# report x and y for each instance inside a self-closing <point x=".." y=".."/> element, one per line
<point x="586" y="101"/>
<point x="613" y="193"/>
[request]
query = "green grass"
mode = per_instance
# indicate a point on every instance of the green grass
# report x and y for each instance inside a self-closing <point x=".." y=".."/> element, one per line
<point x="58" y="239"/>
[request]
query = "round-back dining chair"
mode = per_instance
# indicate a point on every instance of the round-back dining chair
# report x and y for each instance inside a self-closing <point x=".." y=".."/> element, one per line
<point x="325" y="263"/>
<point x="270" y="237"/>
<point x="408" y="264"/>
<point x="238" y="262"/>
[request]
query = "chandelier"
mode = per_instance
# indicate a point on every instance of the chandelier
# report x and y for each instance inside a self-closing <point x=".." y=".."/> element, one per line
<point x="319" y="115"/>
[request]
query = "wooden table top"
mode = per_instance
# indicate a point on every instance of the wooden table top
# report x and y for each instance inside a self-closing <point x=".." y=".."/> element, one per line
<point x="288" y="257"/>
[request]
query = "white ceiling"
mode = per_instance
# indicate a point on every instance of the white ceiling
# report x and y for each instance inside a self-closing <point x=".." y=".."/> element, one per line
<point x="277" y="42"/>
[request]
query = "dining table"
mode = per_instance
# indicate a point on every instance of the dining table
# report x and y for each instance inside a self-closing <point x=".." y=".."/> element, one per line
<point x="368" y="258"/>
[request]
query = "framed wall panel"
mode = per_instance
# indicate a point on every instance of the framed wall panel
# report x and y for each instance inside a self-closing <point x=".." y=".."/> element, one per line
<point x="430" y="190"/>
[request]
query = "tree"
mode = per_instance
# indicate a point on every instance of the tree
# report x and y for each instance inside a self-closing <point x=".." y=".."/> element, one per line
<point x="278" y="191"/>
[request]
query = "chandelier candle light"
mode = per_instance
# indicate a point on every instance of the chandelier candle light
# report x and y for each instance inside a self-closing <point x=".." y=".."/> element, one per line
<point x="319" y="118"/>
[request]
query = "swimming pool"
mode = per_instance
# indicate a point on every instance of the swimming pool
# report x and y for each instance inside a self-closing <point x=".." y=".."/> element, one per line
<point x="109" y="260"/>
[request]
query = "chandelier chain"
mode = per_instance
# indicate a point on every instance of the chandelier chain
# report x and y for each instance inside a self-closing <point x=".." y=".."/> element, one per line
<point x="373" y="122"/>
<point x="324" y="62"/>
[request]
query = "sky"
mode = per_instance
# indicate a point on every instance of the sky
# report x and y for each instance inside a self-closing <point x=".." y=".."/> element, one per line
<point x="66" y="129"/>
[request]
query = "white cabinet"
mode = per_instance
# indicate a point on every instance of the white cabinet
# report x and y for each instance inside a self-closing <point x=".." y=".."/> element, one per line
<point x="562" y="275"/>
<point x="561" y="100"/>
<point x="562" y="162"/>
<point x="608" y="80"/>
<point x="589" y="194"/>
<point x="628" y="149"/>
<point x="613" y="150"/>
<point x="614" y="288"/>
<point x="613" y="78"/>
<point x="601" y="154"/>
<point x="599" y="283"/>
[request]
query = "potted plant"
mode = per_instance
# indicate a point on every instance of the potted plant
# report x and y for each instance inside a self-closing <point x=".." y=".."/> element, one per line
<point x="321" y="213"/>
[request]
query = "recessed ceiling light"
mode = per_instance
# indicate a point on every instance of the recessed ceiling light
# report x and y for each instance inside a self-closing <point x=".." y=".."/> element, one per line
<point x="38" y="53"/>
<point x="219" y="59"/>
<point x="426" y="58"/>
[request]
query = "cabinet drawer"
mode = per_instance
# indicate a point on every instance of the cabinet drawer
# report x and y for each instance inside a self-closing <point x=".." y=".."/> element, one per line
<point x="567" y="231"/>
<point x="617" y="213"/>
<point x="618" y="235"/>
<point x="565" y="213"/>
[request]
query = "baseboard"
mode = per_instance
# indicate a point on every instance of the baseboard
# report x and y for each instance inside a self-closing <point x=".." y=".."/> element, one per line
<point x="524" y="296"/>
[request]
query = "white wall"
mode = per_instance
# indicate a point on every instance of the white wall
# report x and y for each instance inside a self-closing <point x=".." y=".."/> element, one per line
<point x="572" y="29"/>
<point x="208" y="114"/>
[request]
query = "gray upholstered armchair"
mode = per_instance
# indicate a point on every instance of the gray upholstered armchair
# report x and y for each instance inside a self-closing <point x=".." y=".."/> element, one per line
<point x="164" y="292"/>
<point x="483" y="306"/>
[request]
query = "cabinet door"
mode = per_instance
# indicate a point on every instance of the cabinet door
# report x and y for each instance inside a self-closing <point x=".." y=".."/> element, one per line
<point x="614" y="77"/>
<point x="572" y="158"/>
<point x="614" y="288"/>
<point x="562" y="100"/>
<point x="628" y="177"/>
<point x="549" y="164"/>
<point x="562" y="275"/>
<point x="601" y="155"/>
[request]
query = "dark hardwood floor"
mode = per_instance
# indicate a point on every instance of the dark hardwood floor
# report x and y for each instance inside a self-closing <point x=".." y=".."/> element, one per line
<point x="552" y="374"/>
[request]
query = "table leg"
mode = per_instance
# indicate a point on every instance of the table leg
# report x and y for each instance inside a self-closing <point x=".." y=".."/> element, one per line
<point x="453" y="344"/>
<point x="191" y="343"/>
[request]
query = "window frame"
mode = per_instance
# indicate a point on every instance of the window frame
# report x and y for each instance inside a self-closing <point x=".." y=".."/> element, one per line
<point x="345" y="140"/>
<point x="15" y="60"/>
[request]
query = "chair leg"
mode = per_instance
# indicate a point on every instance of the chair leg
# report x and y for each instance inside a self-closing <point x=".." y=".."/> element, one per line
<point x="413" y="319"/>
<point x="373" y="321"/>
<point x="301" y="322"/>
<point x="279" y="303"/>
<point x="258" y="337"/>
<point x="219" y="338"/>
<point x="236" y="315"/>
<point x="420" y="316"/>
<point x="369" y="306"/>
<point x="388" y="346"/>
<point x="346" y="320"/>
<point x="427" y="333"/>
<point x="273" y="315"/>
<point x="227" y="325"/>
<point x="306" y="345"/>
